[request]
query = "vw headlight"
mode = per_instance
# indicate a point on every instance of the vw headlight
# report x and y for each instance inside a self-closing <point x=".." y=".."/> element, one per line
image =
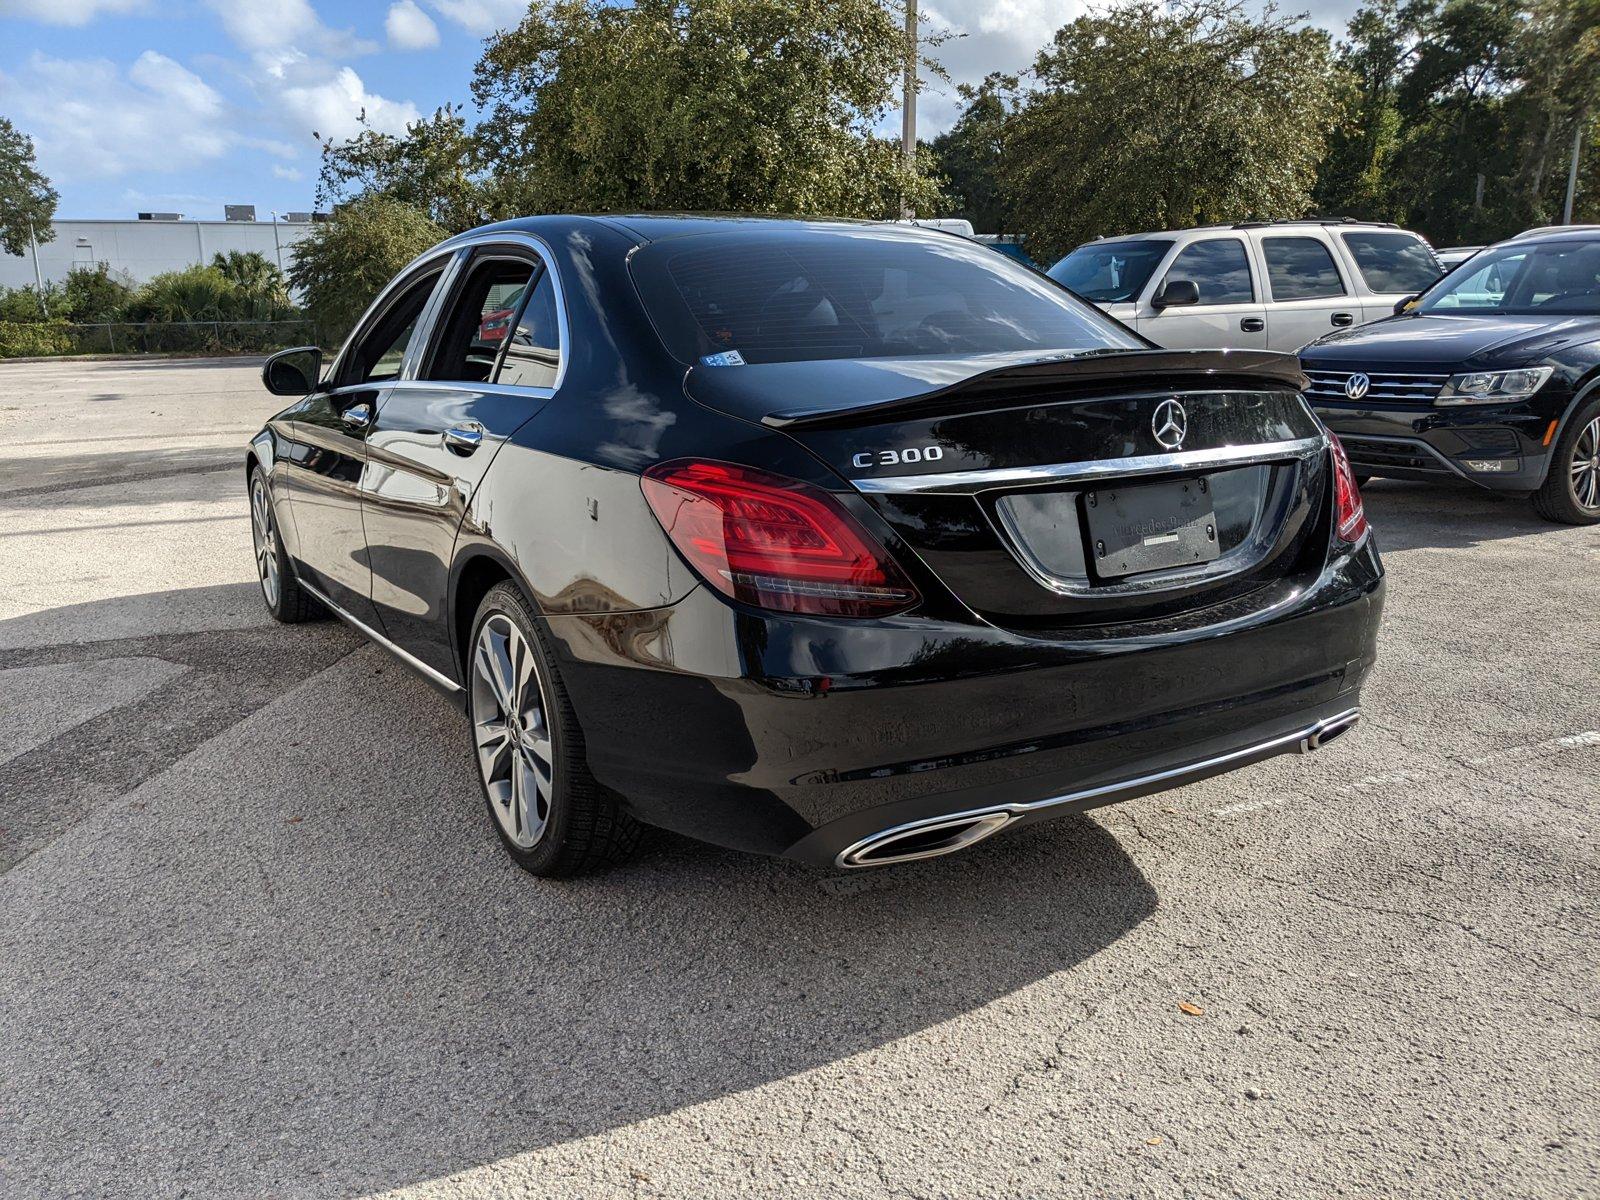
<point x="1493" y="387"/>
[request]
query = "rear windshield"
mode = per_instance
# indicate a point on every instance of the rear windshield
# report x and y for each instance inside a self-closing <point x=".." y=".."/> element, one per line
<point x="1394" y="262"/>
<point x="1111" y="272"/>
<point x="792" y="295"/>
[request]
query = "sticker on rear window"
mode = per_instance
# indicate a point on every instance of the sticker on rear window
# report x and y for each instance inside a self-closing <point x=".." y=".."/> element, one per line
<point x="728" y="358"/>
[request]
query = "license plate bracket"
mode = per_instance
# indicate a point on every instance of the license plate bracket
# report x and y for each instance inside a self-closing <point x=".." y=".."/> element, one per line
<point x="1149" y="527"/>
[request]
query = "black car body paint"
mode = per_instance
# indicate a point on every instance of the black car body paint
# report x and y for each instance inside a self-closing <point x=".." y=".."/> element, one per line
<point x="1397" y="430"/>
<point x="1020" y="678"/>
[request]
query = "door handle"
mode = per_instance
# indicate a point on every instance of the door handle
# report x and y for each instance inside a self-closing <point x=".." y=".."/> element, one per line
<point x="357" y="416"/>
<point x="1344" y="319"/>
<point x="464" y="439"/>
<point x="1252" y="324"/>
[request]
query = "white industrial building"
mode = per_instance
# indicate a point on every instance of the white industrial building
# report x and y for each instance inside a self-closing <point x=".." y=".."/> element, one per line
<point x="139" y="249"/>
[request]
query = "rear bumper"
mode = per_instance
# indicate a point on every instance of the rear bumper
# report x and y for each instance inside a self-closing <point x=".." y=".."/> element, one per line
<point x="802" y="738"/>
<point x="1499" y="449"/>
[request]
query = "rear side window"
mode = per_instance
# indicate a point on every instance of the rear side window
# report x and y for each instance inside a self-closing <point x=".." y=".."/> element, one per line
<point x="1393" y="262"/>
<point x="1219" y="268"/>
<point x="533" y="349"/>
<point x="1300" y="268"/>
<point x="1111" y="272"/>
<point x="792" y="295"/>
<point x="479" y="319"/>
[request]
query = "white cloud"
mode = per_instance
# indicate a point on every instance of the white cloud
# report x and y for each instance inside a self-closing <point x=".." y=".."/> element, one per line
<point x="67" y="12"/>
<point x="89" y="118"/>
<point x="279" y="171"/>
<point x="312" y="95"/>
<point x="269" y="25"/>
<point x="409" y="28"/>
<point x="482" y="17"/>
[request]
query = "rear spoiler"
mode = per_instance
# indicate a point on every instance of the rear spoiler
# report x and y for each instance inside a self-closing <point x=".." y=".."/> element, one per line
<point x="1249" y="368"/>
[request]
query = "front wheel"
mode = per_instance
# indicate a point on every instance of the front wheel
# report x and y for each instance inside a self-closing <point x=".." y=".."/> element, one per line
<point x="551" y="813"/>
<point x="1571" y="492"/>
<point x="286" y="600"/>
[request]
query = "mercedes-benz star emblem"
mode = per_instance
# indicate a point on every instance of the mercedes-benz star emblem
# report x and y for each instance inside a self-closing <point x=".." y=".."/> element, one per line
<point x="1170" y="424"/>
<point x="1356" y="386"/>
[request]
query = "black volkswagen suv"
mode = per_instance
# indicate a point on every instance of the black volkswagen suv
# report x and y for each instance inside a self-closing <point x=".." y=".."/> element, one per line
<point x="1492" y="375"/>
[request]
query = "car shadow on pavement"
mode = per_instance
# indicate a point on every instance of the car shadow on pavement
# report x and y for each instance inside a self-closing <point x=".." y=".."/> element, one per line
<point x="298" y="962"/>
<point x="1446" y="516"/>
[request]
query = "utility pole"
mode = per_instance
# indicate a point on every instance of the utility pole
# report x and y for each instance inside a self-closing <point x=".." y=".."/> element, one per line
<point x="275" y="244"/>
<point x="1572" y="172"/>
<point x="908" y="112"/>
<point x="38" y="277"/>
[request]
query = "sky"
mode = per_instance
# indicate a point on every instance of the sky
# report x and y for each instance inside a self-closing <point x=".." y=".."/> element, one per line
<point x="188" y="105"/>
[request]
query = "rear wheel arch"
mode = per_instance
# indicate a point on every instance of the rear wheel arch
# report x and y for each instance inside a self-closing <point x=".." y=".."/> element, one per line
<point x="475" y="574"/>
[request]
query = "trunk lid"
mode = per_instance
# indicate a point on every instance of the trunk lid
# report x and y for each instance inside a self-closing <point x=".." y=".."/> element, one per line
<point x="1094" y="489"/>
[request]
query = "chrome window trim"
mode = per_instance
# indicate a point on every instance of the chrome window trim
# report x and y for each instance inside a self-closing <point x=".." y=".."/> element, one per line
<point x="463" y="248"/>
<point x="979" y="480"/>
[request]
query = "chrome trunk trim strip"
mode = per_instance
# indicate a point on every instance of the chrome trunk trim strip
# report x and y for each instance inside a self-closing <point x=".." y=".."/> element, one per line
<point x="1103" y="468"/>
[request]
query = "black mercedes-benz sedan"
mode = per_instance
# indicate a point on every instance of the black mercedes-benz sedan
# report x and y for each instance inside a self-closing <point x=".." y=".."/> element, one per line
<point x="847" y="542"/>
<point x="1492" y="376"/>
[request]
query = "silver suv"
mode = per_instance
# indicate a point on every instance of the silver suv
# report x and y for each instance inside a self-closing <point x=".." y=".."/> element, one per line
<point x="1269" y="285"/>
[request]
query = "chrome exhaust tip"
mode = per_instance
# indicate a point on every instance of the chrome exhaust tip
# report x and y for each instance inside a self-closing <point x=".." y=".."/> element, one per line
<point x="922" y="839"/>
<point x="1327" y="731"/>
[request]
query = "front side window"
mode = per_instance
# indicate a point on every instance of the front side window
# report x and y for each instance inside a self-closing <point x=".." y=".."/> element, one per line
<point x="479" y="320"/>
<point x="1524" y="279"/>
<point x="1110" y="272"/>
<point x="1393" y="262"/>
<point x="1300" y="268"/>
<point x="379" y="351"/>
<point x="808" y="293"/>
<point x="533" y="349"/>
<point x="1219" y="268"/>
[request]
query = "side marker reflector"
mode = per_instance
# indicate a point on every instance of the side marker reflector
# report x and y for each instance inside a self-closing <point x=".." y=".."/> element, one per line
<point x="1551" y="432"/>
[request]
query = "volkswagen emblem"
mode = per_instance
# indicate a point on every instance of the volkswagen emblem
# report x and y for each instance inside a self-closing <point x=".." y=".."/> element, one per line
<point x="1170" y="424"/>
<point x="1356" y="386"/>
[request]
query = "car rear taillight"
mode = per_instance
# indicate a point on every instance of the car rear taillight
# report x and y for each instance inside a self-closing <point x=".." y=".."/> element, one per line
<point x="1349" y="515"/>
<point x="775" y="543"/>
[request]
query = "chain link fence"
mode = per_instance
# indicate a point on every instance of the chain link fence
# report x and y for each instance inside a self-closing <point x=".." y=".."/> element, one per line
<point x="19" y="339"/>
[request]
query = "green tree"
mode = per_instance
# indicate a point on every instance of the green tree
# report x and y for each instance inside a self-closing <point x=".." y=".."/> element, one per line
<point x="92" y="294"/>
<point x="1159" y="116"/>
<point x="968" y="155"/>
<point x="1381" y="43"/>
<point x="340" y="265"/>
<point x="27" y="201"/>
<point x="436" y="167"/>
<point x="253" y="274"/>
<point x="731" y="105"/>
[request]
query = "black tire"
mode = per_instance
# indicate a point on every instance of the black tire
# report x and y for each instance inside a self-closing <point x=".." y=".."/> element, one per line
<point x="285" y="599"/>
<point x="1558" y="499"/>
<point x="583" y="827"/>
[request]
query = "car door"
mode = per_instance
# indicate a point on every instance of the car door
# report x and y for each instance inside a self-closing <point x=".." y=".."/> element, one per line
<point x="1230" y="312"/>
<point x="1309" y="294"/>
<point x="478" y="379"/>
<point x="326" y="446"/>
<point x="1392" y="263"/>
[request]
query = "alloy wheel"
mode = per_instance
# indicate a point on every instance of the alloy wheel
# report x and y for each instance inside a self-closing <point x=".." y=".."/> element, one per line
<point x="1586" y="466"/>
<point x="264" y="534"/>
<point x="511" y="729"/>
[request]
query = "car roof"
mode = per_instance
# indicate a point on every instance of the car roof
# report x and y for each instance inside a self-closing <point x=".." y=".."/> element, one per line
<point x="654" y="227"/>
<point x="1329" y="223"/>
<point x="1556" y="233"/>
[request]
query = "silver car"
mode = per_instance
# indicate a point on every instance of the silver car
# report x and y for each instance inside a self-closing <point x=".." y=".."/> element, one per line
<point x="1256" y="285"/>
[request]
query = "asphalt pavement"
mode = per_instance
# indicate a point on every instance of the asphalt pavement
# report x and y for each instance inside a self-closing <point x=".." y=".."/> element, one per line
<point x="258" y="939"/>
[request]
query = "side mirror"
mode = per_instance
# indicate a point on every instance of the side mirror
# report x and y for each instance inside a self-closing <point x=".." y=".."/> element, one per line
<point x="1176" y="293"/>
<point x="293" y="372"/>
<point x="1403" y="305"/>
